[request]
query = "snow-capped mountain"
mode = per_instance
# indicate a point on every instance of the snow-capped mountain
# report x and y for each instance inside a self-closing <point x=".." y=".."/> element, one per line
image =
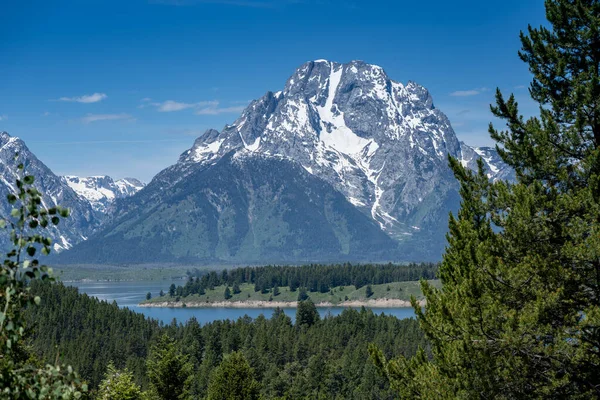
<point x="82" y="221"/>
<point x="380" y="143"/>
<point x="496" y="168"/>
<point x="102" y="191"/>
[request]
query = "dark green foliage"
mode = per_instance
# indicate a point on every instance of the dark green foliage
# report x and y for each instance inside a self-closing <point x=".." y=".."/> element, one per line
<point x="236" y="288"/>
<point x="148" y="296"/>
<point x="287" y="361"/>
<point x="276" y="291"/>
<point x="518" y="314"/>
<point x="233" y="379"/>
<point x="169" y="370"/>
<point x="227" y="293"/>
<point x="306" y="314"/>
<point x="314" y="277"/>
<point x="302" y="295"/>
<point x="369" y="291"/>
<point x="118" y="385"/>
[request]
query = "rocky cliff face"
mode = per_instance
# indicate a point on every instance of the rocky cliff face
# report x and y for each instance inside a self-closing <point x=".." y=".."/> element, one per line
<point x="83" y="220"/>
<point x="102" y="191"/>
<point x="381" y="144"/>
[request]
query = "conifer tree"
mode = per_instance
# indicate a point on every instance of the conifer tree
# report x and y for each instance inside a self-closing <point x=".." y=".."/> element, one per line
<point x="306" y="314"/>
<point x="118" y="385"/>
<point x="170" y="371"/>
<point x="233" y="379"/>
<point x="518" y="315"/>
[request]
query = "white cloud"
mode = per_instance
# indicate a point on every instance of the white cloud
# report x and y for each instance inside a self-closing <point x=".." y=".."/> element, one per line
<point x="86" y="98"/>
<point x="466" y="93"/>
<point x="46" y="114"/>
<point x="215" y="109"/>
<point x="146" y="99"/>
<point x="3" y="117"/>
<point x="105" y="117"/>
<point x="200" y="108"/>
<point x="519" y="87"/>
<point x="171" y="105"/>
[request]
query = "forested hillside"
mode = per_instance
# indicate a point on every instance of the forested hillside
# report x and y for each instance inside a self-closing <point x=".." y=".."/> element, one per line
<point x="313" y="358"/>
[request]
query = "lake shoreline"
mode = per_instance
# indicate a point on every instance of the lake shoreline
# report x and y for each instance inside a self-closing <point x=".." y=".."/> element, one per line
<point x="375" y="303"/>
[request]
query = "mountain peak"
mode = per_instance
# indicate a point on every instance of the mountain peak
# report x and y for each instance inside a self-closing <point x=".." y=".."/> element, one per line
<point x="6" y="138"/>
<point x="102" y="191"/>
<point x="342" y="145"/>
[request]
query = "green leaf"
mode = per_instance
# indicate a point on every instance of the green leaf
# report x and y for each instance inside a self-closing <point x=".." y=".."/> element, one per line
<point x="28" y="180"/>
<point x="31" y="251"/>
<point x="55" y="220"/>
<point x="15" y="212"/>
<point x="11" y="198"/>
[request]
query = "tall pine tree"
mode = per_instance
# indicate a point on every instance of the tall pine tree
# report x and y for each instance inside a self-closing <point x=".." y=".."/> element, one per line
<point x="518" y="315"/>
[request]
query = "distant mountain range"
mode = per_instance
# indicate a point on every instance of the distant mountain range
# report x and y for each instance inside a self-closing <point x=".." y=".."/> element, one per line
<point x="102" y="191"/>
<point x="342" y="164"/>
<point x="87" y="198"/>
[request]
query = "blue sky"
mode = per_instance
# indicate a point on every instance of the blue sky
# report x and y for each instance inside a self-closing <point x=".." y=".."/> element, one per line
<point x="87" y="84"/>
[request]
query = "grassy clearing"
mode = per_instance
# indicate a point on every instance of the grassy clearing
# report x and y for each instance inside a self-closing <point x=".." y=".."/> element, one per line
<point x="397" y="290"/>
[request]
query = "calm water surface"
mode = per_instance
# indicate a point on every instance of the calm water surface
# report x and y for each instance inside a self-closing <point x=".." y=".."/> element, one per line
<point x="130" y="294"/>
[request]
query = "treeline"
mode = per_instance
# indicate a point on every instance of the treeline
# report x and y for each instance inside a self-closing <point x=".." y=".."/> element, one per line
<point x="314" y="277"/>
<point x="312" y="358"/>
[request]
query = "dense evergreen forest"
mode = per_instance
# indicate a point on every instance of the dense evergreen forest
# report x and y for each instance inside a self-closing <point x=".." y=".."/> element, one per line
<point x="313" y="358"/>
<point x="314" y="277"/>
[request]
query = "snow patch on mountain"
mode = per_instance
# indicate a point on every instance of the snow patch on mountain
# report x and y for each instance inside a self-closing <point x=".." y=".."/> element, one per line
<point x="495" y="168"/>
<point x="82" y="220"/>
<point x="102" y="191"/>
<point x="334" y="131"/>
<point x="381" y="143"/>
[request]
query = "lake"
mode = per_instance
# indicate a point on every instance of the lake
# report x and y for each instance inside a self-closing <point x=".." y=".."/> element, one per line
<point x="130" y="294"/>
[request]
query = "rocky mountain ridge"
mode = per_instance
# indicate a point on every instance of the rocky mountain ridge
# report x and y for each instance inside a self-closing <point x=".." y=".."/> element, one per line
<point x="381" y="144"/>
<point x="102" y="191"/>
<point x="87" y="198"/>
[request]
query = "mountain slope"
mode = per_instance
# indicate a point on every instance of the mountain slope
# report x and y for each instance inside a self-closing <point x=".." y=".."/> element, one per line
<point x="496" y="168"/>
<point x="70" y="231"/>
<point x="102" y="191"/>
<point x="240" y="210"/>
<point x="381" y="144"/>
